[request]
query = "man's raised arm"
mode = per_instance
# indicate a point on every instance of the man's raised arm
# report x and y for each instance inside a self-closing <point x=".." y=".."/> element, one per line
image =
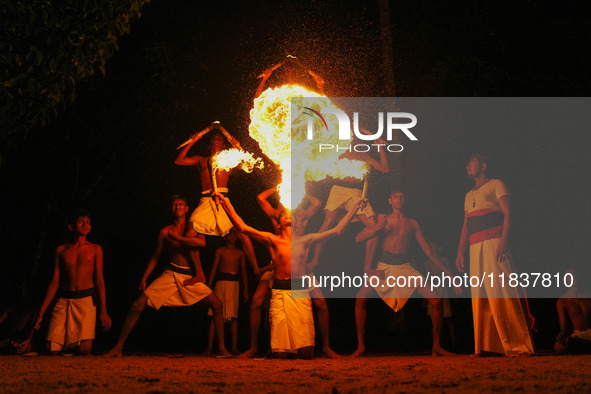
<point x="182" y="159"/>
<point x="237" y="220"/>
<point x="265" y="75"/>
<point x="338" y="229"/>
<point x="315" y="205"/>
<point x="262" y="200"/>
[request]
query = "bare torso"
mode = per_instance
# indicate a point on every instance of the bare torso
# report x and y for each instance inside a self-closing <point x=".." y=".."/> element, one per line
<point x="299" y="256"/>
<point x="579" y="311"/>
<point x="221" y="176"/>
<point x="399" y="231"/>
<point x="77" y="264"/>
<point x="280" y="250"/>
<point x="230" y="259"/>
<point x="177" y="252"/>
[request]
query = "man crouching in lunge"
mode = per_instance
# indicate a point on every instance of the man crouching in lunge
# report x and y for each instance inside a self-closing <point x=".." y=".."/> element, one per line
<point x="292" y="322"/>
<point x="78" y="281"/>
<point x="176" y="286"/>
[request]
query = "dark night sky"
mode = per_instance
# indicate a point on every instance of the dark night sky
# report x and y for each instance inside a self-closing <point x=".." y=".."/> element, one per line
<point x="187" y="63"/>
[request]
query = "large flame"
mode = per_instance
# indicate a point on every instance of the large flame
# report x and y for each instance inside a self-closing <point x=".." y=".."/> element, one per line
<point x="298" y="158"/>
<point x="227" y="159"/>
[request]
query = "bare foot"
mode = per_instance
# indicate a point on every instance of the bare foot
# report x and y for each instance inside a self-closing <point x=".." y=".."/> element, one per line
<point x="250" y="353"/>
<point x="224" y="354"/>
<point x="206" y="353"/>
<point x="115" y="352"/>
<point x="358" y="353"/>
<point x="328" y="352"/>
<point x="439" y="351"/>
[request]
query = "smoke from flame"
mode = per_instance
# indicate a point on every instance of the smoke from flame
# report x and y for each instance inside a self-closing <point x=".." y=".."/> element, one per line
<point x="298" y="158"/>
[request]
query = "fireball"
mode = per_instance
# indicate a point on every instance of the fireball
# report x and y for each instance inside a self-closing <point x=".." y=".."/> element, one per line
<point x="299" y="159"/>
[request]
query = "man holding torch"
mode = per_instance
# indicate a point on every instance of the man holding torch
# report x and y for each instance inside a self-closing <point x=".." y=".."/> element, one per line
<point x="208" y="218"/>
<point x="341" y="197"/>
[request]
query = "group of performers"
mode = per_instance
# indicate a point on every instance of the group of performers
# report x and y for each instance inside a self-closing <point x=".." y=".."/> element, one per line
<point x="501" y="323"/>
<point x="500" y="320"/>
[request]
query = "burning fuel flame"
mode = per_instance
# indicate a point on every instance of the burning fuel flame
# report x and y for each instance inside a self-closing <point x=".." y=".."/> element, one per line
<point x="298" y="158"/>
<point x="227" y="159"/>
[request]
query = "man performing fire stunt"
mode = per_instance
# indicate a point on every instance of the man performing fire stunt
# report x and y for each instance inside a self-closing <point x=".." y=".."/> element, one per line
<point x="394" y="261"/>
<point x="500" y="324"/>
<point x="208" y="218"/>
<point x="292" y="322"/>
<point x="176" y="286"/>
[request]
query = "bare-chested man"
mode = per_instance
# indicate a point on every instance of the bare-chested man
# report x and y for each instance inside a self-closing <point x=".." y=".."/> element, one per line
<point x="574" y="316"/>
<point x="228" y="267"/>
<point x="301" y="217"/>
<point x="292" y="322"/>
<point x="208" y="218"/>
<point x="77" y="280"/>
<point x="340" y="197"/>
<point x="181" y="283"/>
<point x="398" y="232"/>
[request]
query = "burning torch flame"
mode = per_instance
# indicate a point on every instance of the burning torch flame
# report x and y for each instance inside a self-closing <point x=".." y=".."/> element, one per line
<point x="298" y="158"/>
<point x="227" y="159"/>
<point x="230" y="158"/>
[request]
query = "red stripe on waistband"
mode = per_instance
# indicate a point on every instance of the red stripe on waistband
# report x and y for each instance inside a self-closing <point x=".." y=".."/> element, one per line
<point x="481" y="212"/>
<point x="489" y="233"/>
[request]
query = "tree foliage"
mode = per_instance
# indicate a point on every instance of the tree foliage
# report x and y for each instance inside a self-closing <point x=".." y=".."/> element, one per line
<point x="46" y="48"/>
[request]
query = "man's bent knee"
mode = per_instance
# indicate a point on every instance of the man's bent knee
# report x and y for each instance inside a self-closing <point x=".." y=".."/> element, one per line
<point x="258" y="297"/>
<point x="140" y="303"/>
<point x="215" y="304"/>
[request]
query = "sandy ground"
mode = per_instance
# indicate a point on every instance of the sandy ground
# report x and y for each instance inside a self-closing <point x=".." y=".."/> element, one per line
<point x="399" y="373"/>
